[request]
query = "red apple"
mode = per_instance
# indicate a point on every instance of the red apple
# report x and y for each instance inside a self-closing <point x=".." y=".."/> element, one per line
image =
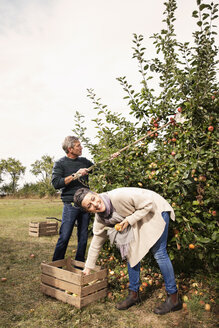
<point x="173" y="153"/>
<point x="179" y="109"/>
<point x="210" y="128"/>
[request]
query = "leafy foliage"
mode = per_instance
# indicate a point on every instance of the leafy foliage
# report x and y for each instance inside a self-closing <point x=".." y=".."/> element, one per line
<point x="180" y="163"/>
<point x="43" y="169"/>
<point x="14" y="169"/>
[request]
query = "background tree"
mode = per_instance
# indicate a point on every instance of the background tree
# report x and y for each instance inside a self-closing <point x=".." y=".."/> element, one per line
<point x="181" y="163"/>
<point x="43" y="170"/>
<point x="14" y="169"/>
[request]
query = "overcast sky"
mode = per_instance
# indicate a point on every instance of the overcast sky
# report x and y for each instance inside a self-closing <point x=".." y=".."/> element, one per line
<point x="52" y="51"/>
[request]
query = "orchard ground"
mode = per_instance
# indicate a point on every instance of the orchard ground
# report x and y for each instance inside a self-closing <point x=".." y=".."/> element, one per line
<point x="23" y="305"/>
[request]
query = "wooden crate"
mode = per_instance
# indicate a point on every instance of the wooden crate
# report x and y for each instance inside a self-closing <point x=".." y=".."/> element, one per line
<point x="38" y="229"/>
<point x="70" y="285"/>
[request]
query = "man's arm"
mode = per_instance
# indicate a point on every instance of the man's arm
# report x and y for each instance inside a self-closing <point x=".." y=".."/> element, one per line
<point x="58" y="179"/>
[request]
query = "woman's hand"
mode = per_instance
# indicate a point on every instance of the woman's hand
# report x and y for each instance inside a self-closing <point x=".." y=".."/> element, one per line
<point x="86" y="271"/>
<point x="124" y="224"/>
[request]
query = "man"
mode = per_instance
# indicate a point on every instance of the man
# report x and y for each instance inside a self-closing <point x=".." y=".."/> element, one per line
<point x="63" y="178"/>
<point x="141" y="218"/>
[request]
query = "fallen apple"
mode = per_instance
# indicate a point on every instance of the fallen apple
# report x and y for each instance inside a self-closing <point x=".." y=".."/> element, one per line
<point x="207" y="307"/>
<point x="3" y="279"/>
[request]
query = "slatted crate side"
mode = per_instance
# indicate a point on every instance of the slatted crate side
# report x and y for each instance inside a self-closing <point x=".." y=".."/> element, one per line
<point x="34" y="229"/>
<point x="61" y="296"/>
<point x="75" y="300"/>
<point x="60" y="284"/>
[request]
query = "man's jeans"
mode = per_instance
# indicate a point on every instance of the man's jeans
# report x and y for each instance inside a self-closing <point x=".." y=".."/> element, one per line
<point x="160" y="254"/>
<point x="69" y="215"/>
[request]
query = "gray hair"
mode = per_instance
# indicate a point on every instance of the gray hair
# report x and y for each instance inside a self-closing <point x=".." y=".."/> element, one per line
<point x="79" y="196"/>
<point x="69" y="142"/>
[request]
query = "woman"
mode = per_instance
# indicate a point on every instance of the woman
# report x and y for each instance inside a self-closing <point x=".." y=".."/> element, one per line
<point x="143" y="218"/>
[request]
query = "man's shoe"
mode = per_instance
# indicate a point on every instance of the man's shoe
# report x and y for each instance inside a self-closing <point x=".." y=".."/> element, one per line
<point x="169" y="305"/>
<point x="131" y="299"/>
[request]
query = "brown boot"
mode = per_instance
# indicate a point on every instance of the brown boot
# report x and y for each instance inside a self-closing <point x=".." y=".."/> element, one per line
<point x="131" y="299"/>
<point x="172" y="303"/>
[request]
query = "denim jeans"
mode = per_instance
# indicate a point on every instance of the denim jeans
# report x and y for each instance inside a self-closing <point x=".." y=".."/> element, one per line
<point x="160" y="254"/>
<point x="69" y="215"/>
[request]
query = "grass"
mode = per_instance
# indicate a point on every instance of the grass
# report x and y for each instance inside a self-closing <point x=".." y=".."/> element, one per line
<point x="23" y="305"/>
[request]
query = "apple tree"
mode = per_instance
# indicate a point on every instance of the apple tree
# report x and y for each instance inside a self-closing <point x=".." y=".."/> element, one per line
<point x="180" y="162"/>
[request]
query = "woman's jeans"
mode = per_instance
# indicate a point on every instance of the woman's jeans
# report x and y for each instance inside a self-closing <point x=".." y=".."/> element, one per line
<point x="160" y="254"/>
<point x="69" y="215"/>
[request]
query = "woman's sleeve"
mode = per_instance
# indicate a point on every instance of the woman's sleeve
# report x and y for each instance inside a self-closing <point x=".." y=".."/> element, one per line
<point x="99" y="238"/>
<point x="142" y="206"/>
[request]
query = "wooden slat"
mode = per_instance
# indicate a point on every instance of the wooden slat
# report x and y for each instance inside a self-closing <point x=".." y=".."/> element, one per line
<point x="78" y="263"/>
<point x="93" y="297"/>
<point x="93" y="276"/>
<point x="48" y="224"/>
<point x="61" y="274"/>
<point x="86" y="290"/>
<point x="58" y="263"/>
<point x="34" y="234"/>
<point x="34" y="229"/>
<point x="54" y="282"/>
<point x="34" y="224"/>
<point x="60" y="295"/>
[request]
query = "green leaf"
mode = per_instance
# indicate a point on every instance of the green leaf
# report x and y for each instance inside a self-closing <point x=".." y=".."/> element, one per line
<point x="203" y="240"/>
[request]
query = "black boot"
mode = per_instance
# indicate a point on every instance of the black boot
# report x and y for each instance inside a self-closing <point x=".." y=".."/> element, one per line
<point x="172" y="303"/>
<point x="131" y="299"/>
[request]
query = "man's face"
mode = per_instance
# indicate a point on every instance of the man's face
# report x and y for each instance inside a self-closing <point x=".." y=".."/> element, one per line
<point x="93" y="203"/>
<point x="76" y="150"/>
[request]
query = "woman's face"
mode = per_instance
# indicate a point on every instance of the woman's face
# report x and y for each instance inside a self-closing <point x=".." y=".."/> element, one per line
<point x="93" y="203"/>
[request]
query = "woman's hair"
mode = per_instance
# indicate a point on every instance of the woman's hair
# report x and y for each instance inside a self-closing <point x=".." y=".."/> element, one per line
<point x="69" y="142"/>
<point x="79" y="196"/>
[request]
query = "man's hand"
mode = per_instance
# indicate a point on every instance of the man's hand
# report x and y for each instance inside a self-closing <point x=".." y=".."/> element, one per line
<point x="114" y="155"/>
<point x="124" y="224"/>
<point x="86" y="271"/>
<point x="74" y="176"/>
<point x="82" y="172"/>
